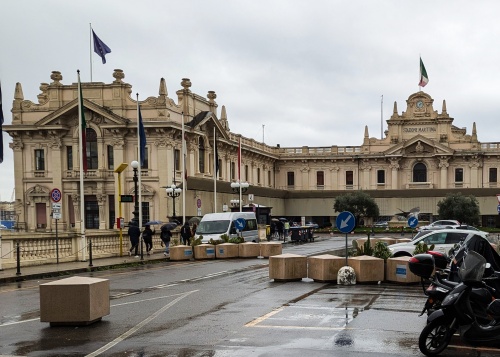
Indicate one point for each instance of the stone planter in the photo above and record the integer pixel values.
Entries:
(204, 251)
(268, 249)
(361, 241)
(397, 271)
(387, 240)
(324, 268)
(74, 301)
(226, 250)
(181, 252)
(248, 250)
(368, 269)
(287, 267)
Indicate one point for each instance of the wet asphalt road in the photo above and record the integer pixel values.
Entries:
(226, 308)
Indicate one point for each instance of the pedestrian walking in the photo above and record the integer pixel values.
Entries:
(147, 235)
(134, 234)
(193, 230)
(287, 229)
(185, 233)
(273, 230)
(280, 227)
(165, 236)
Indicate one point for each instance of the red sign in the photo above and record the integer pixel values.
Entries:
(55, 195)
(198, 203)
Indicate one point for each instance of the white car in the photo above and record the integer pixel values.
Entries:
(445, 223)
(443, 240)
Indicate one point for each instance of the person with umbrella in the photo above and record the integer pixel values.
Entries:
(134, 234)
(165, 236)
(186, 233)
(147, 235)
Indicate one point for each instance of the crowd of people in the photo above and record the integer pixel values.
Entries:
(187, 233)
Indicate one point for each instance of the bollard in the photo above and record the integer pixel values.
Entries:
(402, 232)
(90, 252)
(18, 257)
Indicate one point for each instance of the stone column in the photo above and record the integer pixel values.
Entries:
(334, 180)
(365, 181)
(305, 178)
(394, 174)
(474, 170)
(17, 148)
(101, 201)
(443, 165)
(56, 172)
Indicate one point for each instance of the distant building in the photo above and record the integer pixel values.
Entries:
(422, 157)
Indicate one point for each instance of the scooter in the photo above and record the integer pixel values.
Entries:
(457, 312)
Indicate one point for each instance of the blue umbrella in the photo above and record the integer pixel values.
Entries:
(151, 223)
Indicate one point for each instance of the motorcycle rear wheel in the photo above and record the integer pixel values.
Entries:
(435, 337)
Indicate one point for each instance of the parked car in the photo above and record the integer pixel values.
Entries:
(448, 223)
(312, 224)
(381, 224)
(3, 226)
(443, 240)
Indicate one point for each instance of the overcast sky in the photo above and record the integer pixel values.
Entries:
(311, 72)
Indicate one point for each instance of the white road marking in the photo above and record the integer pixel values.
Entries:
(138, 326)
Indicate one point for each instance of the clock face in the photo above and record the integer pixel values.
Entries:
(420, 104)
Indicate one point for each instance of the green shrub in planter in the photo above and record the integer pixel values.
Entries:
(236, 240)
(381, 251)
(422, 248)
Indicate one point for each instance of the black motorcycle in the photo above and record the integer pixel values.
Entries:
(457, 313)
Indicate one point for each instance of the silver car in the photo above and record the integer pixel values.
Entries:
(443, 240)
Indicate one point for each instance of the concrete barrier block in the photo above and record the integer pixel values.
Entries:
(181, 252)
(204, 251)
(324, 267)
(74, 301)
(248, 250)
(226, 250)
(368, 269)
(287, 267)
(398, 271)
(268, 249)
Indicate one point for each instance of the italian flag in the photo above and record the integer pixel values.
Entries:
(424, 79)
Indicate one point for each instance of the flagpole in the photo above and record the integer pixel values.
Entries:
(140, 160)
(215, 174)
(382, 117)
(90, 52)
(183, 172)
(82, 191)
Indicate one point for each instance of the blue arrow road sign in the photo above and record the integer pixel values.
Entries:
(345, 222)
(412, 222)
(240, 223)
(498, 208)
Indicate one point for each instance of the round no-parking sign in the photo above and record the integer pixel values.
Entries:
(55, 195)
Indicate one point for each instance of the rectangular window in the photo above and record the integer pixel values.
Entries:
(177, 160)
(220, 168)
(145, 213)
(145, 164)
(258, 175)
(320, 178)
(459, 175)
(290, 177)
(380, 176)
(39, 160)
(233, 171)
(111, 158)
(69, 157)
(246, 173)
(493, 174)
(349, 178)
(269, 178)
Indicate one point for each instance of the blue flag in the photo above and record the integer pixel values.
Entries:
(1, 122)
(100, 47)
(142, 139)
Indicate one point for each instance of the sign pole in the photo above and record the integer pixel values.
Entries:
(346, 253)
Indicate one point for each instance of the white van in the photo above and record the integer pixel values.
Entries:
(213, 225)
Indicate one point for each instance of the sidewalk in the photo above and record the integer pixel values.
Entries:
(75, 267)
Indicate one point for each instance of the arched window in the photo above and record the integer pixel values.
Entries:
(92, 162)
(419, 173)
(201, 154)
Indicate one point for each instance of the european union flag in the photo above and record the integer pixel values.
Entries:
(100, 47)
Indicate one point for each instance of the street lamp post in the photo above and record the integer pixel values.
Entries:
(240, 187)
(173, 191)
(135, 166)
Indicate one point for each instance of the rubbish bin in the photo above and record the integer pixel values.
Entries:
(296, 234)
(268, 232)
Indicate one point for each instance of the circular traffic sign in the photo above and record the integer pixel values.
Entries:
(198, 203)
(412, 222)
(55, 195)
(240, 223)
(345, 222)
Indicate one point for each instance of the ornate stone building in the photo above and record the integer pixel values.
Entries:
(422, 158)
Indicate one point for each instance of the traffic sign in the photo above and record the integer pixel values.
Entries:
(240, 223)
(126, 198)
(198, 203)
(56, 210)
(55, 195)
(345, 222)
(412, 222)
(498, 208)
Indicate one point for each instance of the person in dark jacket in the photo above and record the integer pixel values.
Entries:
(134, 233)
(185, 233)
(165, 236)
(147, 235)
